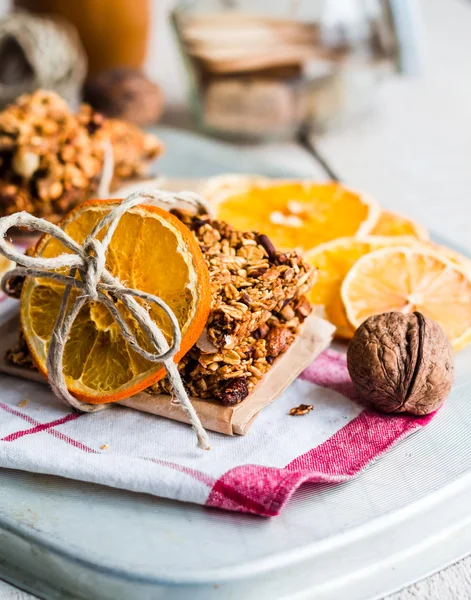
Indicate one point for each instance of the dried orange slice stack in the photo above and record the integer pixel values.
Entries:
(333, 261)
(151, 251)
(404, 277)
(408, 279)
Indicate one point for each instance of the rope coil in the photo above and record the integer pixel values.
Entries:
(97, 284)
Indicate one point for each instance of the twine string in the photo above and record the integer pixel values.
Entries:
(106, 177)
(87, 273)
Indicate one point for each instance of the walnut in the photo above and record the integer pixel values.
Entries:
(302, 409)
(401, 363)
(126, 94)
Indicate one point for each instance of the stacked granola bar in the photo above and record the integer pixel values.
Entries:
(258, 305)
(52, 159)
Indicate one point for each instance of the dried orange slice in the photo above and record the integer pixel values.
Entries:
(453, 256)
(390, 223)
(150, 251)
(294, 214)
(230, 183)
(333, 260)
(409, 279)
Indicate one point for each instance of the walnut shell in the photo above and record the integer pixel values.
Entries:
(125, 94)
(401, 363)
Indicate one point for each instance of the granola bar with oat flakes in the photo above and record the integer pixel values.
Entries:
(258, 306)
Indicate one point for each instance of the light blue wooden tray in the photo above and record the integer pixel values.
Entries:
(405, 517)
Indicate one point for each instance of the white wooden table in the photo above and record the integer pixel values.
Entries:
(413, 154)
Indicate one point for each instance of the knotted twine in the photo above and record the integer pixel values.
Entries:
(89, 274)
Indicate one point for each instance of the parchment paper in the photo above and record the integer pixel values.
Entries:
(315, 336)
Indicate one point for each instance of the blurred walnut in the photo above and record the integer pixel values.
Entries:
(401, 363)
(125, 94)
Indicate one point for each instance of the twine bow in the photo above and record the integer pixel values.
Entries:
(89, 274)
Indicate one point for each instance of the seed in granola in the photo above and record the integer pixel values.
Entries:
(210, 237)
(270, 275)
(241, 306)
(231, 291)
(235, 374)
(255, 371)
(278, 340)
(302, 280)
(288, 275)
(233, 392)
(231, 358)
(233, 312)
(302, 409)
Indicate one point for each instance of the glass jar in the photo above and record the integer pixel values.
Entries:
(260, 69)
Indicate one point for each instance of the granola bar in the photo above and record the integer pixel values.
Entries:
(258, 305)
(52, 159)
(257, 309)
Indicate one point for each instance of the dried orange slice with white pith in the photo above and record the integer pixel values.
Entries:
(293, 214)
(151, 251)
(408, 279)
(333, 260)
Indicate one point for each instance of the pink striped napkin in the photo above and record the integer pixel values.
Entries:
(257, 474)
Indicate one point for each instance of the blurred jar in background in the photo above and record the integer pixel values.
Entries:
(114, 32)
(262, 68)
